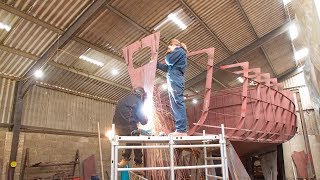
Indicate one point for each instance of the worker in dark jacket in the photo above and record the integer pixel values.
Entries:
(127, 116)
(175, 66)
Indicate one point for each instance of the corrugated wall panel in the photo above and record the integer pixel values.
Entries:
(298, 82)
(53, 109)
(7, 89)
(294, 81)
(305, 98)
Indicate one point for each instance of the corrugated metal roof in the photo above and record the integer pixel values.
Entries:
(70, 53)
(14, 65)
(169, 29)
(146, 13)
(257, 59)
(265, 15)
(110, 31)
(7, 89)
(121, 78)
(7, 19)
(280, 53)
(30, 37)
(56, 12)
(225, 20)
(67, 79)
(196, 38)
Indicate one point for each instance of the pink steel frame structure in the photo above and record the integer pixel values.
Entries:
(260, 113)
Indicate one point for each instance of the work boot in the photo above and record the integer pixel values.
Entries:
(123, 163)
(179, 133)
(139, 172)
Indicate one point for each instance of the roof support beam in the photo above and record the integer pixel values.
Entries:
(231, 59)
(61, 66)
(22, 87)
(255, 33)
(62, 41)
(30, 18)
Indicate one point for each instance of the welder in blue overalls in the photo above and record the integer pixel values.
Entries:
(175, 66)
(127, 116)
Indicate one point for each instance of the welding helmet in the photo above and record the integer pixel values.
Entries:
(140, 92)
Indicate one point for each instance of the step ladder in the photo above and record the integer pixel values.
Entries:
(173, 142)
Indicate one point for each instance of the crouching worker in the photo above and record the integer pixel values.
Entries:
(128, 115)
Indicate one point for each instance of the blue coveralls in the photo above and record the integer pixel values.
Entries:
(126, 118)
(175, 66)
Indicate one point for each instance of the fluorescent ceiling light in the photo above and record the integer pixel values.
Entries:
(301, 53)
(194, 101)
(38, 73)
(293, 30)
(4, 26)
(114, 72)
(285, 2)
(90, 60)
(240, 79)
(173, 17)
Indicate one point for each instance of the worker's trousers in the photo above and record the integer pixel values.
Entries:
(175, 83)
(137, 152)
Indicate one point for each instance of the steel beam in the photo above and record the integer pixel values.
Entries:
(76, 93)
(62, 41)
(61, 66)
(17, 118)
(231, 59)
(30, 18)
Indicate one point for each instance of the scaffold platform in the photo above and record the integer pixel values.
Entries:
(172, 142)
